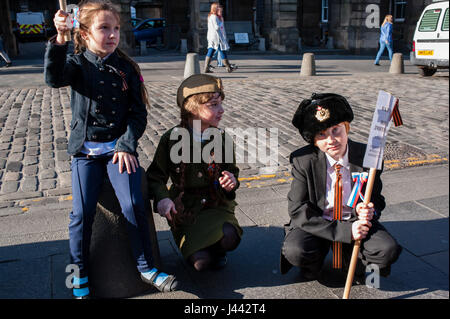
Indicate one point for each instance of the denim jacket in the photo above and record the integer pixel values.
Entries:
(386, 32)
(105, 101)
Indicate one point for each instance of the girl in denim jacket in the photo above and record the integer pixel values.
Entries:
(385, 39)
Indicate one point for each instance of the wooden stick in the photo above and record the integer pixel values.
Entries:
(63, 7)
(356, 247)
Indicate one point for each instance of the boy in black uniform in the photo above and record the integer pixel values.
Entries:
(320, 190)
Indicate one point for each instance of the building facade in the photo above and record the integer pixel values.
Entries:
(289, 25)
(286, 25)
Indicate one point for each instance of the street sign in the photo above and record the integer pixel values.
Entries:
(241, 38)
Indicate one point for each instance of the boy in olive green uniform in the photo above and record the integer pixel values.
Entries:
(199, 205)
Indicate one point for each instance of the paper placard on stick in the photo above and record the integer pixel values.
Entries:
(381, 124)
(387, 109)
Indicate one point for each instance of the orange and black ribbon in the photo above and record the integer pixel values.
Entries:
(396, 115)
(337, 215)
(124, 82)
(121, 74)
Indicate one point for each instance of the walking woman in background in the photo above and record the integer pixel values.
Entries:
(3, 53)
(217, 39)
(385, 38)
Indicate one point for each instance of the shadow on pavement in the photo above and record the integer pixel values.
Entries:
(9, 71)
(38, 270)
(34, 270)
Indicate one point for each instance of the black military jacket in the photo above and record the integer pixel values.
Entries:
(306, 198)
(106, 99)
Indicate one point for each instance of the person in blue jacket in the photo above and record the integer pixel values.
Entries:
(385, 38)
(109, 115)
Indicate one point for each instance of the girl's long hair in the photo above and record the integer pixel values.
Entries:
(87, 11)
(386, 19)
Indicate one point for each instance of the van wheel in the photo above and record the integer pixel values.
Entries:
(424, 71)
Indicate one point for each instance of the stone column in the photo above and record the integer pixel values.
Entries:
(199, 25)
(283, 35)
(126, 34)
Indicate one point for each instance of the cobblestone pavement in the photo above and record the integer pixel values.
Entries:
(35, 121)
(35, 193)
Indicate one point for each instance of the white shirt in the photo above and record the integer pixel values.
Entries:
(98, 148)
(346, 187)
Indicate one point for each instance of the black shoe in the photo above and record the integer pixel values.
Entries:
(285, 265)
(8, 64)
(359, 278)
(76, 295)
(308, 274)
(385, 272)
(377, 64)
(219, 263)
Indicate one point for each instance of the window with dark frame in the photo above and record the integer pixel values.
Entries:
(324, 10)
(399, 10)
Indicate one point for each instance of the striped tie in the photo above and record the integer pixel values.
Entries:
(337, 215)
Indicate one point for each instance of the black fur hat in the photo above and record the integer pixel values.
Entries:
(320, 112)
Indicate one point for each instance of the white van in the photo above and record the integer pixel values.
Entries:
(30, 25)
(430, 42)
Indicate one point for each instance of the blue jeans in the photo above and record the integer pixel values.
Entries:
(383, 45)
(221, 53)
(219, 59)
(87, 179)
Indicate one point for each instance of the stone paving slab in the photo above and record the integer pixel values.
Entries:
(417, 227)
(21, 274)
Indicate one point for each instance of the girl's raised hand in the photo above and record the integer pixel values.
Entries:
(227, 181)
(60, 21)
(126, 159)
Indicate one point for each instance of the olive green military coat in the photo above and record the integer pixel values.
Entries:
(205, 228)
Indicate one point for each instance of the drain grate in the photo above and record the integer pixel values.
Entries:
(396, 151)
(399, 155)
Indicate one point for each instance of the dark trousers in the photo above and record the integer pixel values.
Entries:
(87, 179)
(305, 250)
